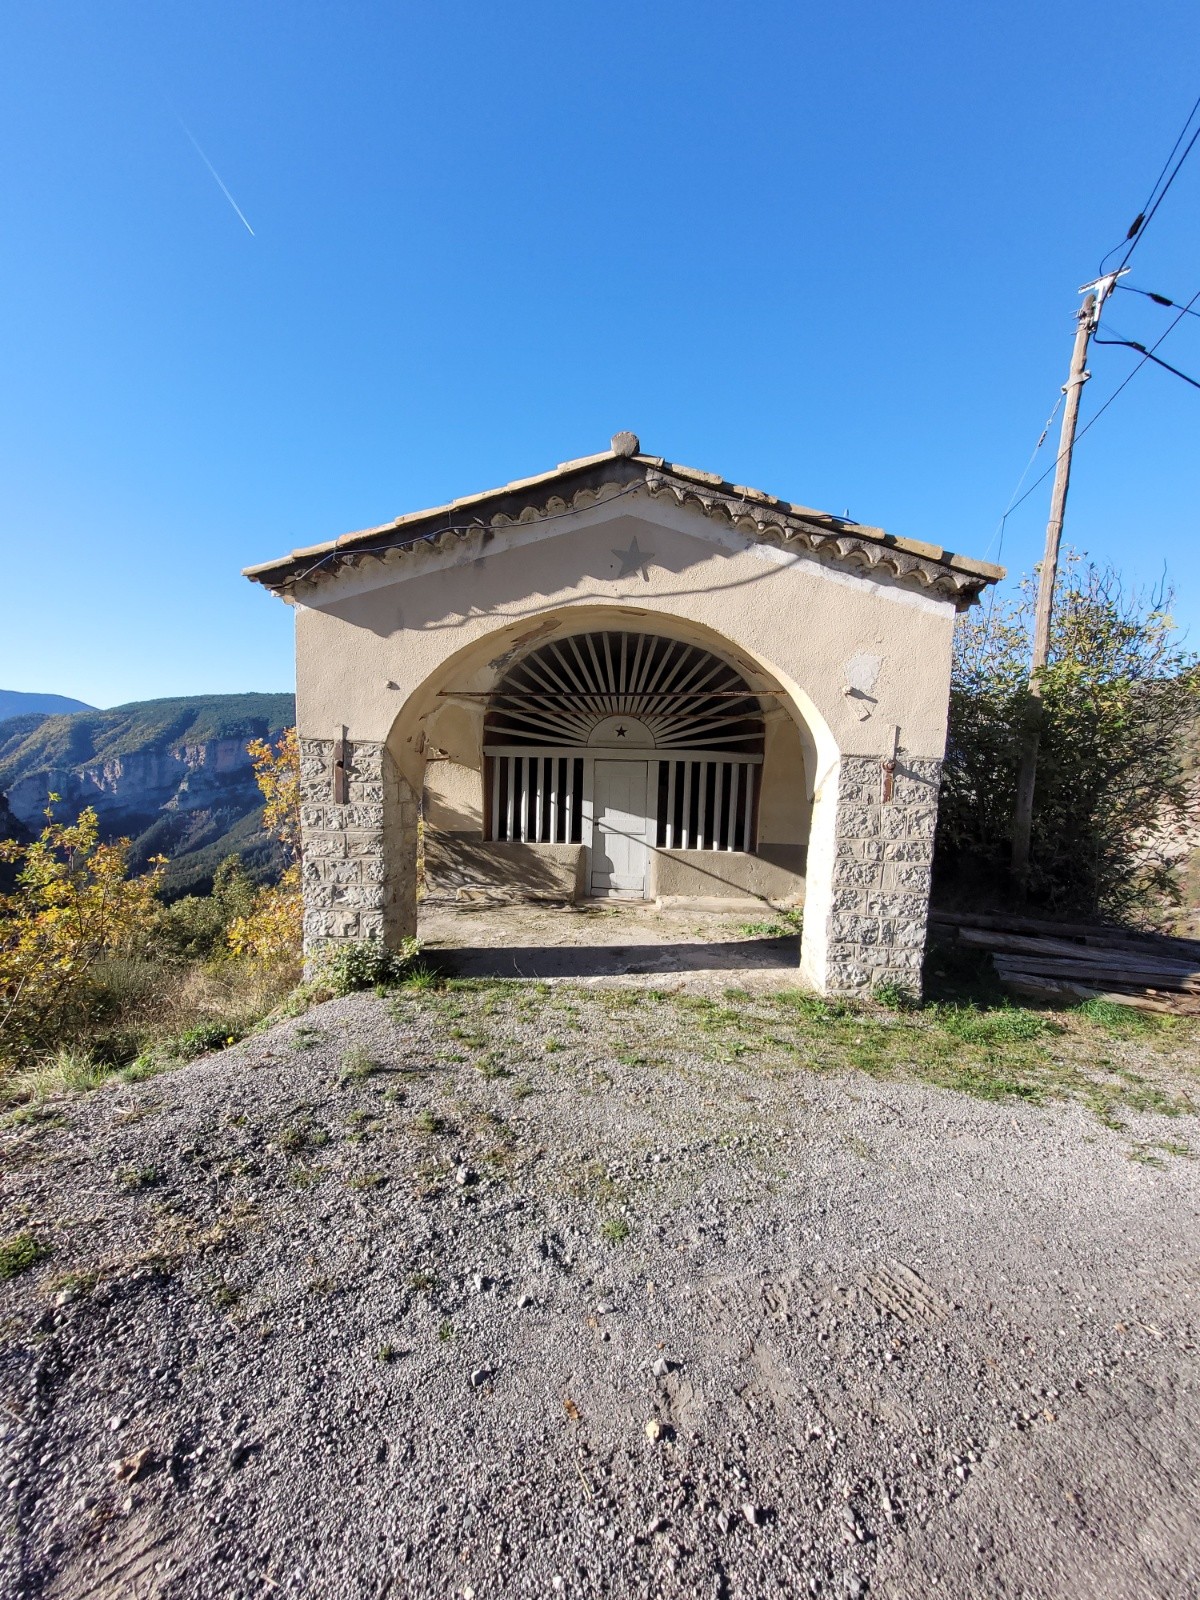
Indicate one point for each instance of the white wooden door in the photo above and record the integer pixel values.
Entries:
(619, 827)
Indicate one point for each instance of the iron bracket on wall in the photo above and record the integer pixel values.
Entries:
(340, 785)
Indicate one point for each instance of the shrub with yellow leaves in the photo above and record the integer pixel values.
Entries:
(272, 931)
(74, 905)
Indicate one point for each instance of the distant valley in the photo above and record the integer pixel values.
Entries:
(171, 775)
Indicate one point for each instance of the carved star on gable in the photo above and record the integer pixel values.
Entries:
(634, 560)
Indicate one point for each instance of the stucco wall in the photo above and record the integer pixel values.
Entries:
(460, 865)
(775, 876)
(404, 651)
(860, 654)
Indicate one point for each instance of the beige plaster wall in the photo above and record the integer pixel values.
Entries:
(776, 877)
(463, 865)
(859, 655)
(405, 648)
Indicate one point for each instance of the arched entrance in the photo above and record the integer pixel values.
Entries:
(623, 742)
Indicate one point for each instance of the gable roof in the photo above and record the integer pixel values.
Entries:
(625, 470)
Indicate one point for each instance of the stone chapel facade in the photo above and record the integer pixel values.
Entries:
(627, 677)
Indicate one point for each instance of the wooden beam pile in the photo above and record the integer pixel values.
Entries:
(1070, 962)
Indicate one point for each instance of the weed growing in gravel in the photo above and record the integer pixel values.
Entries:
(201, 1040)
(490, 1067)
(306, 1037)
(786, 926)
(445, 1331)
(360, 1126)
(300, 1136)
(67, 1072)
(147, 1065)
(139, 1177)
(896, 997)
(520, 1089)
(20, 1253)
(367, 1181)
(421, 1282)
(421, 978)
(429, 1122)
(615, 1230)
(466, 1036)
(357, 1067)
(386, 1353)
(77, 1283)
(302, 1177)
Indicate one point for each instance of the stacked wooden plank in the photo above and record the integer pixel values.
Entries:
(1070, 962)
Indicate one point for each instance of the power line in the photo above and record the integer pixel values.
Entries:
(1159, 299)
(999, 528)
(1132, 344)
(1148, 355)
(1156, 197)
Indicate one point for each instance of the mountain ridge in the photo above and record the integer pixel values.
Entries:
(20, 703)
(172, 775)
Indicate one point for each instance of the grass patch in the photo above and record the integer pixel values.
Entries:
(614, 1230)
(1005, 1025)
(428, 1122)
(139, 1177)
(300, 1136)
(20, 1253)
(357, 1067)
(1118, 1021)
(304, 1177)
(365, 1181)
(489, 1067)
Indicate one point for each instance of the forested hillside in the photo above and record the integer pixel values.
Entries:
(173, 775)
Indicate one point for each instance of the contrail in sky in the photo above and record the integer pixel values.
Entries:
(215, 174)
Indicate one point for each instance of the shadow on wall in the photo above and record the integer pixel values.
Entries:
(455, 863)
(618, 961)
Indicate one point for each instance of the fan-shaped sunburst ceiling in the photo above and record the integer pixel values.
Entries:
(686, 697)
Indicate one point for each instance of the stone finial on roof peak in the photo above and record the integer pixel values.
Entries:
(626, 444)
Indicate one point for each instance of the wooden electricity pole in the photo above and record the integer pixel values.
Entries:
(1088, 317)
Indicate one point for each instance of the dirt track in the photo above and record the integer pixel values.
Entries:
(388, 1297)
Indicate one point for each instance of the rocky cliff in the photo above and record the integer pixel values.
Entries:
(172, 775)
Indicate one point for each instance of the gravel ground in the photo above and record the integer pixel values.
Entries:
(372, 1305)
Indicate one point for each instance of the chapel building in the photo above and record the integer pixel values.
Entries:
(627, 678)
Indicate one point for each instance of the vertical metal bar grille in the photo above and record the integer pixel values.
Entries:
(536, 799)
(705, 805)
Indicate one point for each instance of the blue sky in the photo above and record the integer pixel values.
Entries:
(830, 251)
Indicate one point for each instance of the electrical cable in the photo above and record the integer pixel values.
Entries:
(1132, 344)
(1142, 221)
(1159, 299)
(1128, 379)
(999, 528)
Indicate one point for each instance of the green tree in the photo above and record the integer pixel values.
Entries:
(1120, 696)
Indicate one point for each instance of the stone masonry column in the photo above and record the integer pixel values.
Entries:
(359, 873)
(868, 890)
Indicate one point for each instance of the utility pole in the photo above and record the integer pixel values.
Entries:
(1087, 319)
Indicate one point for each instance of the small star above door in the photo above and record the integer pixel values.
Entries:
(634, 560)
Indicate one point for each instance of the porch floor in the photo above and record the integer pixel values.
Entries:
(629, 940)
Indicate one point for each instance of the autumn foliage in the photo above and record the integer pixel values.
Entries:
(271, 932)
(74, 905)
